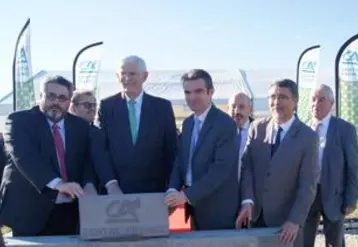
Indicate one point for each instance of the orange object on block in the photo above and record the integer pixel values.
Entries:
(177, 221)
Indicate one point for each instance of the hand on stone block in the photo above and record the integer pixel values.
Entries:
(89, 189)
(289, 232)
(71, 189)
(245, 216)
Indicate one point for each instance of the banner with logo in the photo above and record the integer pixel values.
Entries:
(307, 71)
(346, 69)
(23, 85)
(86, 68)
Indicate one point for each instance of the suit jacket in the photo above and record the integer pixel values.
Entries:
(145, 166)
(3, 159)
(214, 191)
(339, 174)
(26, 201)
(282, 187)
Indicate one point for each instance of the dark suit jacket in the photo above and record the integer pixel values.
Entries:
(26, 201)
(214, 193)
(339, 174)
(146, 166)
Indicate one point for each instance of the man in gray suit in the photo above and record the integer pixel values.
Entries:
(280, 167)
(337, 189)
(206, 164)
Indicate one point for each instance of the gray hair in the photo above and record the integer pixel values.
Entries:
(327, 90)
(136, 60)
(249, 100)
(79, 93)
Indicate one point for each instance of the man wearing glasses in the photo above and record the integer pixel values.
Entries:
(50, 156)
(84, 105)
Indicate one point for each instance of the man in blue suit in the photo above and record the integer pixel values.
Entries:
(207, 162)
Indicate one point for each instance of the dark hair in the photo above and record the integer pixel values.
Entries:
(289, 84)
(60, 80)
(77, 94)
(196, 74)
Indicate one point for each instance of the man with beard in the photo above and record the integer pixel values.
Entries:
(140, 132)
(206, 165)
(240, 109)
(279, 168)
(337, 189)
(50, 156)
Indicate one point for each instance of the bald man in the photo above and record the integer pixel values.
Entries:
(140, 131)
(337, 189)
(240, 109)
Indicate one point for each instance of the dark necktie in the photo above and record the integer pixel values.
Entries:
(60, 151)
(277, 141)
(239, 138)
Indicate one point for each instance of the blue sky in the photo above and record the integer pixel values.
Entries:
(177, 34)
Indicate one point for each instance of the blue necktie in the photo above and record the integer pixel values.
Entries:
(277, 141)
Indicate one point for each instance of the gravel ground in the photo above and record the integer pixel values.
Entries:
(351, 239)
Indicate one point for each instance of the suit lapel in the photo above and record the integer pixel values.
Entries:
(122, 118)
(329, 140)
(289, 137)
(48, 141)
(70, 135)
(186, 139)
(145, 116)
(205, 128)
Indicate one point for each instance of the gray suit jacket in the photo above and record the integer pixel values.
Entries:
(283, 186)
(215, 189)
(339, 175)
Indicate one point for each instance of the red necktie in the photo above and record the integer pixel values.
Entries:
(60, 151)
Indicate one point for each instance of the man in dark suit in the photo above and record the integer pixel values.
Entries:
(50, 156)
(207, 161)
(240, 110)
(279, 167)
(140, 132)
(337, 189)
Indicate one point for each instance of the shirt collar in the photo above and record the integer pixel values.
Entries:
(60, 124)
(202, 116)
(324, 121)
(286, 126)
(138, 100)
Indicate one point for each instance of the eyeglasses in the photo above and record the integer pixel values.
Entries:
(88, 105)
(52, 97)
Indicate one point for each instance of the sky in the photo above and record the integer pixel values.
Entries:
(171, 34)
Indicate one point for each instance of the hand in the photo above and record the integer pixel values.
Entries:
(113, 189)
(72, 189)
(348, 210)
(289, 232)
(89, 189)
(245, 216)
(175, 198)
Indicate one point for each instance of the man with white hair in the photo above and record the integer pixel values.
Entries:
(337, 189)
(140, 132)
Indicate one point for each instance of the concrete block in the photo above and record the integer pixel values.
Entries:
(265, 237)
